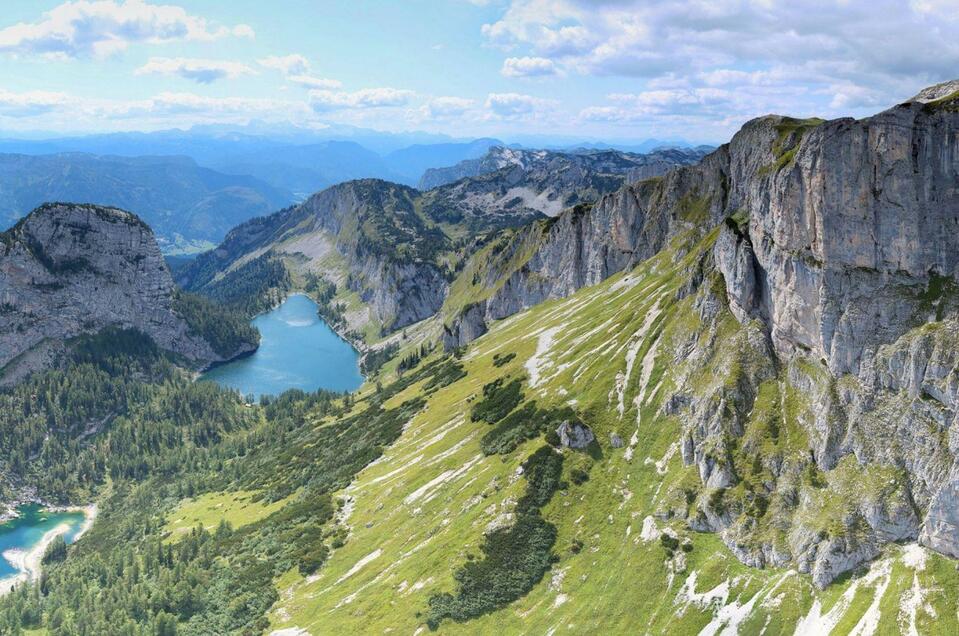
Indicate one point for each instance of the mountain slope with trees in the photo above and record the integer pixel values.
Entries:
(714, 417)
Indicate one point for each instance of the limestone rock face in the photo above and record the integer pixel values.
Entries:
(831, 225)
(362, 235)
(67, 270)
(856, 226)
(575, 435)
(941, 528)
(939, 91)
(588, 243)
(836, 249)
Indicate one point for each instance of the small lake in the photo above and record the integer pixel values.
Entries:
(297, 351)
(28, 530)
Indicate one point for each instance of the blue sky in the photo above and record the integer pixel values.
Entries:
(604, 69)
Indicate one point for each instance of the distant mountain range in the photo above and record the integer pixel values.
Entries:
(184, 203)
(306, 160)
(193, 186)
(547, 165)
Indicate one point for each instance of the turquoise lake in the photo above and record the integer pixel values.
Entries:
(297, 351)
(28, 529)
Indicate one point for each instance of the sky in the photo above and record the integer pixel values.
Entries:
(617, 70)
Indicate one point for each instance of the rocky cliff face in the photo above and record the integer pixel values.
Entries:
(390, 252)
(851, 225)
(836, 251)
(364, 235)
(839, 219)
(846, 251)
(67, 270)
(583, 246)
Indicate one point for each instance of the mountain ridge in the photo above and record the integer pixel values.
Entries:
(722, 400)
(607, 162)
(452, 219)
(814, 246)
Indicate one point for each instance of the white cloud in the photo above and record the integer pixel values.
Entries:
(516, 106)
(243, 31)
(850, 54)
(528, 67)
(84, 27)
(604, 114)
(293, 64)
(31, 103)
(675, 100)
(849, 95)
(197, 70)
(183, 109)
(361, 99)
(446, 107)
(296, 69)
(62, 111)
(315, 82)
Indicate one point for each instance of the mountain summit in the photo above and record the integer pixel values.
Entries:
(937, 92)
(72, 269)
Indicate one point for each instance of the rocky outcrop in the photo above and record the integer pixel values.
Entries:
(67, 270)
(837, 239)
(575, 435)
(585, 245)
(847, 225)
(364, 235)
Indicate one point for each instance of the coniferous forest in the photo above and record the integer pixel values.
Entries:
(166, 438)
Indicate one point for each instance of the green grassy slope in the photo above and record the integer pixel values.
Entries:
(357, 514)
(420, 512)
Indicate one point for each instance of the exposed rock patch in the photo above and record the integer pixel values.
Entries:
(67, 270)
(575, 435)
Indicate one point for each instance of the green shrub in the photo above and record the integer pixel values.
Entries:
(517, 427)
(669, 542)
(498, 400)
(579, 476)
(501, 359)
(514, 559)
(55, 552)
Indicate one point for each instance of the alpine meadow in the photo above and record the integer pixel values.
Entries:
(519, 317)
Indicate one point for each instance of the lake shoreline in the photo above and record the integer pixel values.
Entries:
(28, 563)
(298, 349)
(360, 346)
